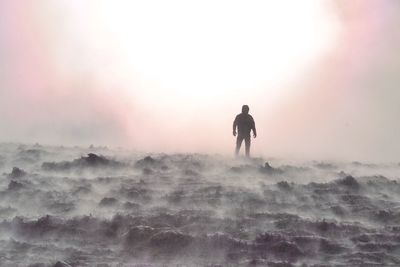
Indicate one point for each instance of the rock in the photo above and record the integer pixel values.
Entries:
(267, 166)
(349, 181)
(16, 173)
(283, 185)
(286, 249)
(14, 185)
(37, 265)
(108, 201)
(91, 161)
(95, 160)
(138, 234)
(268, 169)
(61, 264)
(170, 240)
(148, 163)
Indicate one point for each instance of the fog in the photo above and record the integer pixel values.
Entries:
(65, 80)
(71, 206)
(116, 145)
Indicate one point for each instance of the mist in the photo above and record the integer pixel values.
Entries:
(116, 141)
(71, 206)
(64, 79)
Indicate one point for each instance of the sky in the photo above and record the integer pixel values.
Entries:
(321, 77)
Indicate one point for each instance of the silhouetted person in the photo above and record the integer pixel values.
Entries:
(244, 123)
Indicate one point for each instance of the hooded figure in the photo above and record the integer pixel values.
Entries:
(244, 123)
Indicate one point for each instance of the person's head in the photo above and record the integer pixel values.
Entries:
(245, 109)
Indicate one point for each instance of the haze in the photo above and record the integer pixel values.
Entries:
(320, 77)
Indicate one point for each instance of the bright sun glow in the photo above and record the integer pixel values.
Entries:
(191, 50)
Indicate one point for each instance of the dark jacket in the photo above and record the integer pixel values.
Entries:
(245, 123)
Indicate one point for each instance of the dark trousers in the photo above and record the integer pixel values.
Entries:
(247, 142)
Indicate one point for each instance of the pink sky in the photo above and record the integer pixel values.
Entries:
(79, 72)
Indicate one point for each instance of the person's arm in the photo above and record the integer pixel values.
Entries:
(234, 126)
(253, 127)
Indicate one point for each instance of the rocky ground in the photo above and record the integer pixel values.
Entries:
(100, 207)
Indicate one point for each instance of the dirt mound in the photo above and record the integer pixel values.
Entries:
(91, 161)
(17, 173)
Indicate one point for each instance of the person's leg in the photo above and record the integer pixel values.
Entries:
(247, 141)
(239, 141)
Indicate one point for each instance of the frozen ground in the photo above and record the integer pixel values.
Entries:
(66, 207)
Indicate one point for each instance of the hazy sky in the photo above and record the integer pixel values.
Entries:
(321, 77)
